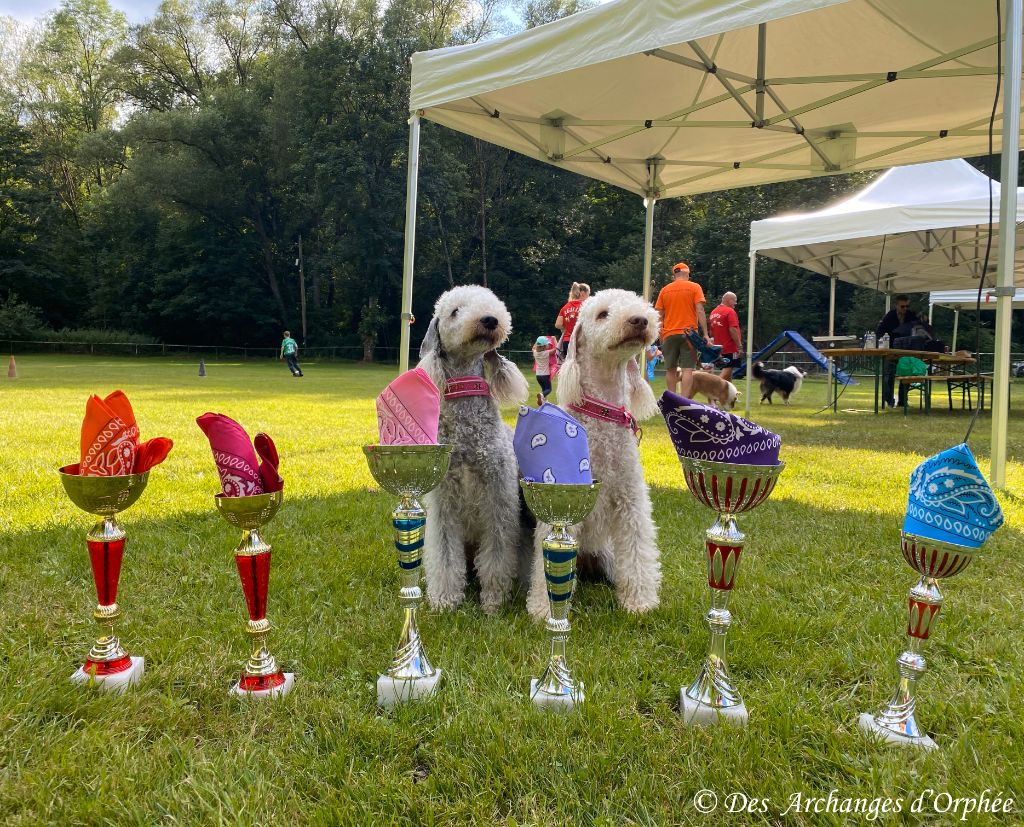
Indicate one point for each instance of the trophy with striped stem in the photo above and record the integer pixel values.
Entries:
(560, 506)
(408, 472)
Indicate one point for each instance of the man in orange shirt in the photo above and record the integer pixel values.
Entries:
(681, 305)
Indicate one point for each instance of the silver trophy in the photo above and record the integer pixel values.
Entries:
(408, 472)
(933, 560)
(730, 490)
(560, 506)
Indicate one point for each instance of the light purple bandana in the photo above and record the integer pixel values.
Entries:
(551, 446)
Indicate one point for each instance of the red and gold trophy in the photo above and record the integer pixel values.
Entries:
(107, 665)
(951, 511)
(261, 677)
(731, 466)
(109, 478)
(252, 492)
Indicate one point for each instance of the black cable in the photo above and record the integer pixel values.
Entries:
(991, 205)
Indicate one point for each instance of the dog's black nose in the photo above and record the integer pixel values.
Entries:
(639, 321)
(489, 322)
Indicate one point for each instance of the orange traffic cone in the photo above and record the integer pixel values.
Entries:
(12, 369)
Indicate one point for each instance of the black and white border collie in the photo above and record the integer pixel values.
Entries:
(785, 382)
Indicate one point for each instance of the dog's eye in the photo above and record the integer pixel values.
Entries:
(455, 312)
(603, 314)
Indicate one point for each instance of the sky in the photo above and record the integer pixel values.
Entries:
(25, 10)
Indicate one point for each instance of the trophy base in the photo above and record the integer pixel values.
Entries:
(391, 691)
(117, 682)
(270, 692)
(697, 713)
(558, 703)
(868, 725)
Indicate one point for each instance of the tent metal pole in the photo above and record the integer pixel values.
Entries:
(831, 332)
(1007, 241)
(956, 324)
(649, 203)
(750, 334)
(411, 184)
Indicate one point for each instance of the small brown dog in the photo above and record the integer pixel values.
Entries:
(719, 392)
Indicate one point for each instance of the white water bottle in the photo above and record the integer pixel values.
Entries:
(884, 341)
(869, 341)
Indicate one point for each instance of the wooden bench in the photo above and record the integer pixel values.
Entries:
(964, 382)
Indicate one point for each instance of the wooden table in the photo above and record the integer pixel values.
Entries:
(850, 358)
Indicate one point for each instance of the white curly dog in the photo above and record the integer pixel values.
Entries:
(601, 386)
(477, 502)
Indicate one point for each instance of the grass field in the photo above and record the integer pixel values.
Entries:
(820, 614)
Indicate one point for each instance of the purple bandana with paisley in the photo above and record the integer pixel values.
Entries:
(703, 432)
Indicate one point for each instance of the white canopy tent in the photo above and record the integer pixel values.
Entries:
(674, 97)
(914, 229)
(957, 300)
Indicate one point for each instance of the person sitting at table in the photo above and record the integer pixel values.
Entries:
(900, 318)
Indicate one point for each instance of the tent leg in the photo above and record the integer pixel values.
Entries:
(956, 325)
(648, 246)
(1007, 242)
(830, 399)
(411, 184)
(750, 334)
(649, 203)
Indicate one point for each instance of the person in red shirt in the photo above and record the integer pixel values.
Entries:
(725, 331)
(681, 306)
(566, 320)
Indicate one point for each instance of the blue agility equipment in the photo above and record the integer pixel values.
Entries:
(706, 354)
(784, 338)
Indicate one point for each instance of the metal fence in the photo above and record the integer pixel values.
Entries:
(345, 353)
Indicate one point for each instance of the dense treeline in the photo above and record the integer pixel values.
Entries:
(157, 178)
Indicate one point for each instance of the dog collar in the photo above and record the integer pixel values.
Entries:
(616, 414)
(459, 387)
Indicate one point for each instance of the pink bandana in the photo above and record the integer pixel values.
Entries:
(408, 410)
(241, 473)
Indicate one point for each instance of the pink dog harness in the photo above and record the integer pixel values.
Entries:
(616, 414)
(459, 387)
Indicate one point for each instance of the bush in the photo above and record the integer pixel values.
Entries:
(19, 320)
(92, 336)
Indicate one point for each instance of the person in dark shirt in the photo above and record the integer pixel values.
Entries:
(897, 322)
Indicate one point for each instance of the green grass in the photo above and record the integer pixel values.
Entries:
(820, 613)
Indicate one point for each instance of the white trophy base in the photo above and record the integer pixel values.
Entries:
(391, 691)
(556, 703)
(866, 724)
(696, 713)
(273, 692)
(117, 682)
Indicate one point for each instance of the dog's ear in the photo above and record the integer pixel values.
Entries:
(432, 355)
(642, 403)
(570, 390)
(508, 385)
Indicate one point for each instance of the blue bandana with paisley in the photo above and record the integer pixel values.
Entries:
(950, 500)
(551, 446)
